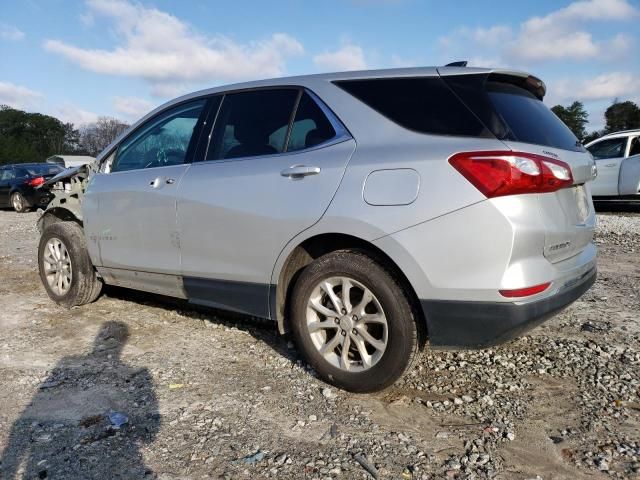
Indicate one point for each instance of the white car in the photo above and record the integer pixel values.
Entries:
(617, 157)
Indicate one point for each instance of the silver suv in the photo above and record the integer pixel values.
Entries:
(367, 212)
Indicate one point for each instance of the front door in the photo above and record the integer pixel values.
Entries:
(609, 154)
(130, 212)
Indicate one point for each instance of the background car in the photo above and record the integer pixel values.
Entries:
(70, 161)
(617, 158)
(19, 182)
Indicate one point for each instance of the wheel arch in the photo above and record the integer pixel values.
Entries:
(57, 214)
(320, 244)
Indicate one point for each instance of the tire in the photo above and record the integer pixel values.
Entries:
(312, 334)
(19, 203)
(84, 285)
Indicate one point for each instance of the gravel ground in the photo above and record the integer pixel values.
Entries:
(135, 386)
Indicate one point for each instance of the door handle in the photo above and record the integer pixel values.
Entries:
(610, 165)
(299, 171)
(158, 181)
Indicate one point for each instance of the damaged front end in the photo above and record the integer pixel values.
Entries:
(68, 189)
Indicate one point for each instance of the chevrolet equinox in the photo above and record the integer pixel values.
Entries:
(368, 213)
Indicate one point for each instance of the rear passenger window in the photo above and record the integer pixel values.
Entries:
(310, 126)
(252, 123)
(162, 141)
(424, 105)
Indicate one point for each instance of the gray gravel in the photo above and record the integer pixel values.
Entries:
(211, 395)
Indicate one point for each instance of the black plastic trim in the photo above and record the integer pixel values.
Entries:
(458, 324)
(241, 297)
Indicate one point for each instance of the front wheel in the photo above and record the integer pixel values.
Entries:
(353, 322)
(19, 203)
(65, 268)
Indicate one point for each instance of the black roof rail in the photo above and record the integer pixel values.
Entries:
(462, 63)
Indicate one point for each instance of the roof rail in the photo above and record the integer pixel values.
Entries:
(462, 63)
(631, 130)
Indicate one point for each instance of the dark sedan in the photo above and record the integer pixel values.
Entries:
(18, 184)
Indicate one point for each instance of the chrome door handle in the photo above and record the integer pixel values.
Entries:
(158, 181)
(299, 171)
(610, 165)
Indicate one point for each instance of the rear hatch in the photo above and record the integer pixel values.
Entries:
(510, 105)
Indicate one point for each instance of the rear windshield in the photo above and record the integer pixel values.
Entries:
(512, 112)
(528, 119)
(465, 105)
(37, 170)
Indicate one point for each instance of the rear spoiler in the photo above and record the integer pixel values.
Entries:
(514, 77)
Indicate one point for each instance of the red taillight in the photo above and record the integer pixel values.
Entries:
(525, 292)
(501, 173)
(34, 182)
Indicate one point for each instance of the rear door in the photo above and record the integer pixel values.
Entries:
(130, 212)
(608, 154)
(273, 163)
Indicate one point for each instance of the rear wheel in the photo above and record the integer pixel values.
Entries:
(19, 203)
(65, 268)
(353, 322)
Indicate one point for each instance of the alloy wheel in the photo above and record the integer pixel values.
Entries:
(347, 324)
(57, 266)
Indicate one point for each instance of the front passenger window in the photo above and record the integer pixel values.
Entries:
(609, 148)
(162, 141)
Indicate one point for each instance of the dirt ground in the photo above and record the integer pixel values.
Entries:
(136, 386)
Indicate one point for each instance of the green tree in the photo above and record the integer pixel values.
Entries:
(32, 137)
(622, 116)
(575, 117)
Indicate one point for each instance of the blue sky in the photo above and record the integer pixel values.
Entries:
(81, 59)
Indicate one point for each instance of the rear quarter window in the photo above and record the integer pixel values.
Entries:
(423, 104)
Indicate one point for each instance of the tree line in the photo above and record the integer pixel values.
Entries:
(33, 137)
(619, 116)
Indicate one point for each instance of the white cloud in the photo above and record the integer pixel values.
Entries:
(602, 87)
(131, 107)
(70, 113)
(559, 35)
(348, 57)
(9, 32)
(162, 49)
(17, 96)
(483, 37)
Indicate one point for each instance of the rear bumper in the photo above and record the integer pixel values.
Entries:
(37, 197)
(460, 324)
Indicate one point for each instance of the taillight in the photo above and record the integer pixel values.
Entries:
(34, 182)
(525, 292)
(501, 173)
